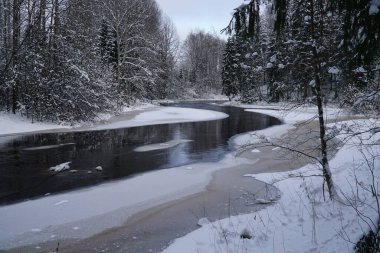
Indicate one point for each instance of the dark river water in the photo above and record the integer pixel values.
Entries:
(25, 159)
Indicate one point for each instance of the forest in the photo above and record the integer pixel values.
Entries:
(66, 61)
(313, 65)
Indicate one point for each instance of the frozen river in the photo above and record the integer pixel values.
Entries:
(99, 156)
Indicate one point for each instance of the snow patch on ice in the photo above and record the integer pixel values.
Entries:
(61, 167)
(159, 146)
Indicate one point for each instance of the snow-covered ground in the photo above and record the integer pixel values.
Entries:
(302, 221)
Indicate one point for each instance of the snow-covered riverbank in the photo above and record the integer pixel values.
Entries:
(146, 114)
(302, 220)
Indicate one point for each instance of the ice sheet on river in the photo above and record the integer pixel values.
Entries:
(158, 146)
(164, 115)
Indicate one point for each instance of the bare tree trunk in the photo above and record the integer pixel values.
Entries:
(57, 21)
(7, 44)
(118, 53)
(40, 23)
(2, 24)
(15, 45)
(6, 28)
(319, 96)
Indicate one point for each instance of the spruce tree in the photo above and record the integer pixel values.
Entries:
(230, 72)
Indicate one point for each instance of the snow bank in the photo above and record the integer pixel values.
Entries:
(302, 221)
(14, 124)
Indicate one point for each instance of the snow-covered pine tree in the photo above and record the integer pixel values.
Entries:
(230, 70)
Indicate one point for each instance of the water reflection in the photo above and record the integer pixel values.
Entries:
(24, 169)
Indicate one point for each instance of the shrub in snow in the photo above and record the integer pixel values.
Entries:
(369, 243)
(245, 234)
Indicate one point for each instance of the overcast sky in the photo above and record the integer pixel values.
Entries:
(207, 15)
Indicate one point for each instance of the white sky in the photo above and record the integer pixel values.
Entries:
(207, 15)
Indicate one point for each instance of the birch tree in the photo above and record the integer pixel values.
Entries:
(202, 58)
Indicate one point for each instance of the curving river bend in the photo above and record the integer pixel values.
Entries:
(25, 159)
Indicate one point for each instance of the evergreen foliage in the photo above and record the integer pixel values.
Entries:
(230, 72)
